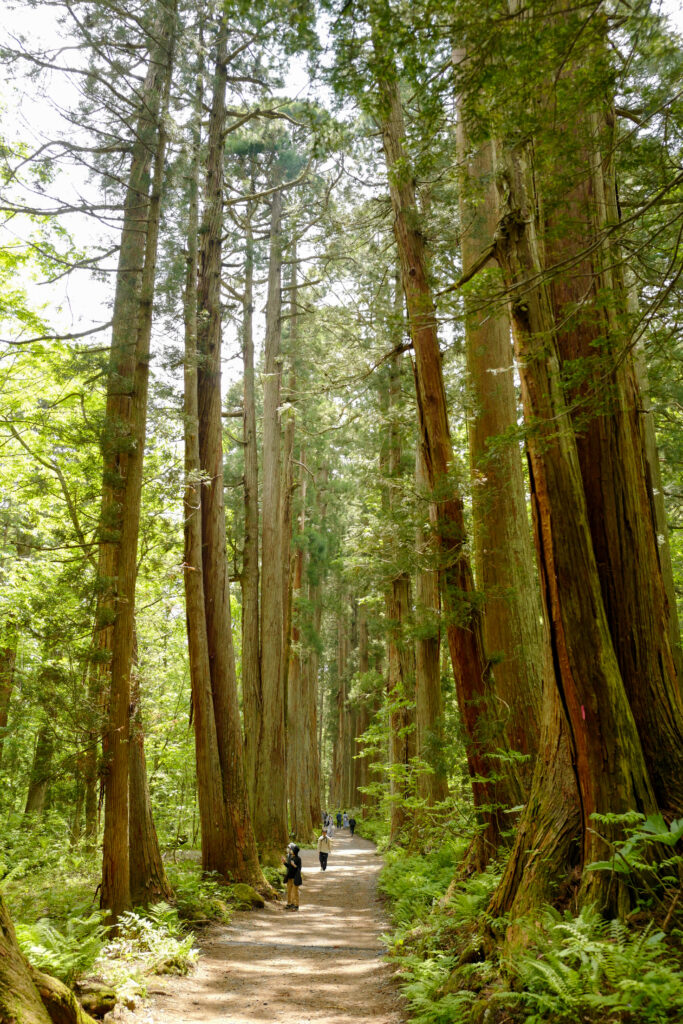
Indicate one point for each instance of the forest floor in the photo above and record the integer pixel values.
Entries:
(320, 965)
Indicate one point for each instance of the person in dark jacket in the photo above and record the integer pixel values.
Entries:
(292, 862)
(339, 819)
(352, 825)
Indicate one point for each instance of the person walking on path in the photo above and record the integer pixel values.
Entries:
(339, 819)
(346, 820)
(352, 825)
(292, 862)
(324, 849)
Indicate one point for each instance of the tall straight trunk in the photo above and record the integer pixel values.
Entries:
(299, 724)
(212, 815)
(471, 668)
(605, 747)
(589, 303)
(240, 856)
(337, 775)
(148, 882)
(503, 549)
(270, 807)
(656, 493)
(312, 662)
(8, 661)
(400, 689)
(433, 784)
(360, 762)
(41, 770)
(400, 648)
(123, 446)
(251, 659)
(287, 489)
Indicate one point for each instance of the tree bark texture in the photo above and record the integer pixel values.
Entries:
(148, 882)
(270, 808)
(123, 446)
(433, 784)
(240, 855)
(471, 668)
(589, 303)
(604, 742)
(299, 725)
(20, 1001)
(503, 548)
(41, 770)
(251, 656)
(8, 661)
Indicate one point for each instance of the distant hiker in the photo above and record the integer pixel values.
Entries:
(339, 819)
(352, 825)
(346, 820)
(292, 862)
(324, 849)
(330, 827)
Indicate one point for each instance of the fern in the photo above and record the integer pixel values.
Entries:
(591, 970)
(68, 953)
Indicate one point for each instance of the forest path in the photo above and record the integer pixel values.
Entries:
(320, 965)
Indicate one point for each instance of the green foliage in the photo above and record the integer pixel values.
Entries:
(597, 972)
(648, 856)
(156, 939)
(66, 953)
(274, 877)
(199, 897)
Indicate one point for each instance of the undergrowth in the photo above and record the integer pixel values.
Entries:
(570, 970)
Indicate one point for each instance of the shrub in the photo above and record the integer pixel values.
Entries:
(66, 953)
(597, 972)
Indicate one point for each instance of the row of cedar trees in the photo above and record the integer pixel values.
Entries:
(590, 679)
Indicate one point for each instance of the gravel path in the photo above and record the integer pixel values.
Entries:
(320, 965)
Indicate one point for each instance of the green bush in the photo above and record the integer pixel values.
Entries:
(66, 953)
(155, 937)
(199, 897)
(597, 972)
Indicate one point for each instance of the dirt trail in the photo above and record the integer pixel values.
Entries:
(320, 965)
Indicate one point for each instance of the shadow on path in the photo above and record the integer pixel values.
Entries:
(320, 965)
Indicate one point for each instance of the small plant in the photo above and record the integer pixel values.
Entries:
(155, 938)
(274, 877)
(199, 897)
(66, 953)
(597, 972)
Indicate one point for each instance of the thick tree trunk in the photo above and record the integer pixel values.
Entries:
(20, 1001)
(148, 882)
(8, 660)
(589, 304)
(251, 658)
(311, 666)
(124, 443)
(270, 808)
(656, 493)
(503, 549)
(433, 784)
(299, 725)
(400, 690)
(604, 743)
(472, 670)
(212, 814)
(40, 771)
(240, 858)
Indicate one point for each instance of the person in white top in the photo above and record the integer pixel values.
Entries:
(324, 849)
